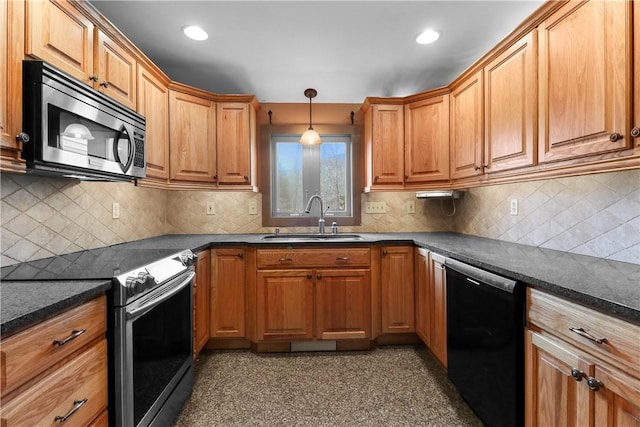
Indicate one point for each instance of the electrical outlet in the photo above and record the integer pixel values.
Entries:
(411, 206)
(375, 207)
(513, 207)
(253, 207)
(211, 208)
(115, 210)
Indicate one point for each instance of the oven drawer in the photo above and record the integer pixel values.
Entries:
(82, 379)
(559, 316)
(335, 257)
(31, 352)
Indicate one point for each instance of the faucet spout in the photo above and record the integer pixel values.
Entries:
(308, 210)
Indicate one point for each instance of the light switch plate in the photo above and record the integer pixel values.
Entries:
(411, 206)
(115, 210)
(513, 207)
(253, 207)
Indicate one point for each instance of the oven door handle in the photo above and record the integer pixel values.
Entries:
(139, 311)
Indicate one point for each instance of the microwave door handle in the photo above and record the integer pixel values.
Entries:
(124, 165)
(139, 311)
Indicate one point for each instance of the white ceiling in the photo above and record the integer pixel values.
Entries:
(347, 50)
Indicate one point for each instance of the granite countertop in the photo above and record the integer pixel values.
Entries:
(610, 286)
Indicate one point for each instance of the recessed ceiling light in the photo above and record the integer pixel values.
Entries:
(428, 36)
(194, 32)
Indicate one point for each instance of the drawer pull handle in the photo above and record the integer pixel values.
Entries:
(587, 335)
(577, 374)
(77, 404)
(342, 259)
(285, 260)
(594, 384)
(74, 334)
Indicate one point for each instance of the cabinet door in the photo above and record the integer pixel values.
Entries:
(153, 104)
(192, 137)
(343, 304)
(635, 130)
(233, 143)
(284, 304)
(511, 106)
(424, 296)
(397, 289)
(467, 127)
(116, 70)
(201, 301)
(438, 290)
(427, 140)
(618, 398)
(228, 293)
(387, 145)
(584, 80)
(552, 396)
(60, 35)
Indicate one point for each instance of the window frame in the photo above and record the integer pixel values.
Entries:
(268, 220)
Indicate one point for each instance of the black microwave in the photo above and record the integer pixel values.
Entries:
(72, 130)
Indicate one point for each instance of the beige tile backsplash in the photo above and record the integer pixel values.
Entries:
(596, 215)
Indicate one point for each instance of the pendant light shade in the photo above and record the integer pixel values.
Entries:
(310, 136)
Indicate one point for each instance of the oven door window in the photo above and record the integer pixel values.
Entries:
(161, 344)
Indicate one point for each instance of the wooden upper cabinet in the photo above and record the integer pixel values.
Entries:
(59, 34)
(192, 137)
(234, 140)
(397, 289)
(426, 147)
(153, 104)
(510, 107)
(585, 80)
(467, 127)
(116, 70)
(384, 145)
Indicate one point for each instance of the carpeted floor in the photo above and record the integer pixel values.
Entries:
(389, 386)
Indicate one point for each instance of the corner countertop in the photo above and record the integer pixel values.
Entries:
(609, 286)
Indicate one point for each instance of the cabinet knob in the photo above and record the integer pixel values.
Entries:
(635, 132)
(23, 137)
(246, 178)
(309, 275)
(241, 255)
(94, 78)
(594, 384)
(577, 374)
(105, 84)
(376, 178)
(384, 252)
(476, 167)
(215, 177)
(319, 276)
(615, 137)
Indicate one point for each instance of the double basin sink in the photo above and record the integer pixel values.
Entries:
(311, 237)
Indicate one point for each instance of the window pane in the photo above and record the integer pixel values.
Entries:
(333, 176)
(288, 178)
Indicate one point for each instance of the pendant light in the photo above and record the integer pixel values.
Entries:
(310, 136)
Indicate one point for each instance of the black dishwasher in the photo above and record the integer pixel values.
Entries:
(485, 342)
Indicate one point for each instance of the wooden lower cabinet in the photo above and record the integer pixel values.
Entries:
(570, 379)
(343, 304)
(424, 296)
(397, 289)
(201, 311)
(284, 305)
(228, 305)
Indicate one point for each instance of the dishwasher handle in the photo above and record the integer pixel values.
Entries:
(477, 276)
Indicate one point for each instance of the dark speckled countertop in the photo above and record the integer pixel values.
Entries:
(609, 286)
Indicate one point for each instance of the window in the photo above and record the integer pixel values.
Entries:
(297, 172)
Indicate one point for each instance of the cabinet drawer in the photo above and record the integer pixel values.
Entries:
(335, 257)
(559, 316)
(57, 394)
(28, 353)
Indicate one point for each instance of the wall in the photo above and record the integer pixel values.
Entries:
(41, 217)
(596, 215)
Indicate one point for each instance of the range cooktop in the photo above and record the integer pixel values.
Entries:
(91, 264)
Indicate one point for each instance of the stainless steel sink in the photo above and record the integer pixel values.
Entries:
(291, 237)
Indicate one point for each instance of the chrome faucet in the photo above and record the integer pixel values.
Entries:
(308, 209)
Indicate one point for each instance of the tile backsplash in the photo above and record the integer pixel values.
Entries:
(595, 215)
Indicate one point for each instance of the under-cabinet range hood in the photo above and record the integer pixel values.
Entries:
(440, 194)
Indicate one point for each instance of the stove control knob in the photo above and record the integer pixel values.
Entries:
(187, 259)
(148, 281)
(138, 285)
(130, 285)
